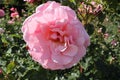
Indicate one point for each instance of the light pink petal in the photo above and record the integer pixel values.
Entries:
(27, 20)
(49, 64)
(77, 58)
(48, 5)
(33, 26)
(71, 14)
(71, 50)
(37, 53)
(61, 59)
(60, 14)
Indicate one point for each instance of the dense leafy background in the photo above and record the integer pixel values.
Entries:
(102, 61)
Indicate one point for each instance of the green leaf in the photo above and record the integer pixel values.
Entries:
(85, 64)
(73, 1)
(9, 50)
(4, 40)
(10, 67)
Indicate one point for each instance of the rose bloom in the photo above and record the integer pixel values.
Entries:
(55, 37)
(14, 15)
(13, 9)
(2, 13)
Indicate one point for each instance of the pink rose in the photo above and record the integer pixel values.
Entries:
(55, 37)
(13, 9)
(2, 13)
(14, 15)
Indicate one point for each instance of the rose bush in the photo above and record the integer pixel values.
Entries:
(55, 37)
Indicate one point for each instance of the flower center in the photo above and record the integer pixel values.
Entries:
(60, 38)
(57, 35)
(63, 44)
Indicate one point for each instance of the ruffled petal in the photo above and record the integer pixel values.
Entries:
(72, 50)
(61, 59)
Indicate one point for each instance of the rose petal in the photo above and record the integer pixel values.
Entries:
(61, 13)
(71, 50)
(49, 64)
(47, 6)
(77, 57)
(61, 59)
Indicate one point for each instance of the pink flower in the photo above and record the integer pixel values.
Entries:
(13, 9)
(1, 71)
(114, 42)
(98, 9)
(2, 13)
(106, 35)
(55, 37)
(30, 1)
(92, 8)
(14, 15)
(93, 2)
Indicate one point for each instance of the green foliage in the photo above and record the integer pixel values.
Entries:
(102, 61)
